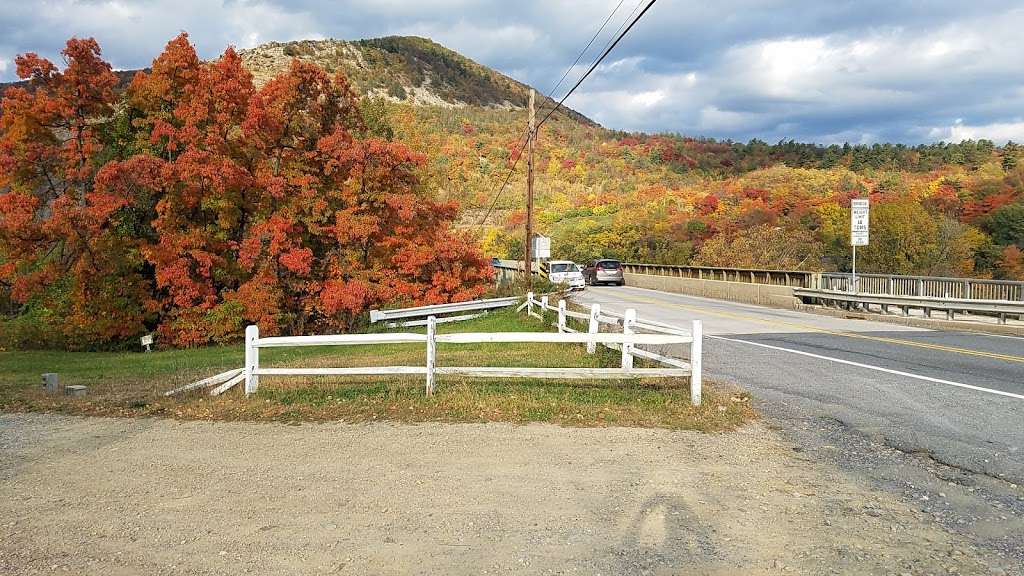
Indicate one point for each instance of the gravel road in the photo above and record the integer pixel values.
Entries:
(149, 496)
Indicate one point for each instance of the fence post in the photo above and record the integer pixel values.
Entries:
(529, 303)
(561, 316)
(696, 349)
(252, 358)
(431, 352)
(594, 327)
(543, 305)
(627, 328)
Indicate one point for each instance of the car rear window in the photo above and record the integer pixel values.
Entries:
(609, 264)
(561, 267)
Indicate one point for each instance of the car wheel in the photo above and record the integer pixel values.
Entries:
(620, 283)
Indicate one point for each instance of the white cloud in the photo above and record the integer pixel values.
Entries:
(998, 132)
(714, 120)
(132, 33)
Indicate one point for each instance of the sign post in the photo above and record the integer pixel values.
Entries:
(859, 208)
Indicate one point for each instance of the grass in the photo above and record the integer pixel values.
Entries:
(131, 384)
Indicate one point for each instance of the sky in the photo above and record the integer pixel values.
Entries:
(816, 71)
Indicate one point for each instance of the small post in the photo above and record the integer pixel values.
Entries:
(51, 382)
(529, 303)
(594, 327)
(853, 279)
(431, 352)
(543, 305)
(252, 358)
(696, 362)
(627, 328)
(561, 316)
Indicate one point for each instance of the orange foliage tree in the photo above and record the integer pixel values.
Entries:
(269, 205)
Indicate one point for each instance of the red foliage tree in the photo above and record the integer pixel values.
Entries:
(59, 237)
(276, 210)
(268, 206)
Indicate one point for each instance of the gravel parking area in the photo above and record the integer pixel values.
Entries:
(153, 496)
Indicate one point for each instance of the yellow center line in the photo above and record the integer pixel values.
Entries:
(808, 327)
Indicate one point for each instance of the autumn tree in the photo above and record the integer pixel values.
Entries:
(276, 208)
(202, 203)
(64, 245)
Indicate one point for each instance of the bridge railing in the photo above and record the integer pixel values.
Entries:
(883, 284)
(794, 278)
(925, 286)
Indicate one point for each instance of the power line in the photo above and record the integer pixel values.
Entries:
(526, 134)
(587, 47)
(597, 62)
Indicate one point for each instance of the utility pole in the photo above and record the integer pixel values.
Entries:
(529, 196)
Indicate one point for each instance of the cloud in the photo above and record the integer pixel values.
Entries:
(998, 132)
(859, 71)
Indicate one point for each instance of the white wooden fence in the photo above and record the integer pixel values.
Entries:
(627, 341)
(629, 323)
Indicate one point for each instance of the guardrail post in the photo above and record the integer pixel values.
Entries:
(627, 328)
(431, 352)
(696, 362)
(561, 316)
(252, 358)
(594, 327)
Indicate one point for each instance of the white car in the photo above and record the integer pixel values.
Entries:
(566, 272)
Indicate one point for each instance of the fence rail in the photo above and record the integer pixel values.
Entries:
(627, 341)
(629, 324)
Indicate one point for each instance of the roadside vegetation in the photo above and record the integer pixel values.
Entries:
(133, 383)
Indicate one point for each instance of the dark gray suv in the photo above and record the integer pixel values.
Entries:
(604, 271)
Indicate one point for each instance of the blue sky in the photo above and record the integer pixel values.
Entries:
(864, 71)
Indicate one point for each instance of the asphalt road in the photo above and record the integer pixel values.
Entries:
(956, 396)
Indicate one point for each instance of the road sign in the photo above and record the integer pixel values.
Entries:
(541, 247)
(859, 222)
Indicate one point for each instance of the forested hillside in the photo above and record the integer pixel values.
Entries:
(299, 184)
(940, 209)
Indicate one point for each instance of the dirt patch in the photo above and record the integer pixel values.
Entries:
(154, 496)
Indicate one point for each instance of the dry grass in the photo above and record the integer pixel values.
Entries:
(132, 385)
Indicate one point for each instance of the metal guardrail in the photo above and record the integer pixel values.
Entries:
(795, 278)
(441, 309)
(998, 308)
(924, 286)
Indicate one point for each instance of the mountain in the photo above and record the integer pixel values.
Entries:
(406, 69)
(401, 69)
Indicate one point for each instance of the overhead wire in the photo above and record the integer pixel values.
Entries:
(519, 143)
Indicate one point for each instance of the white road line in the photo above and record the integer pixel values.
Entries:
(870, 367)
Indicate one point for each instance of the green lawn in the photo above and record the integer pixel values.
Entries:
(131, 384)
